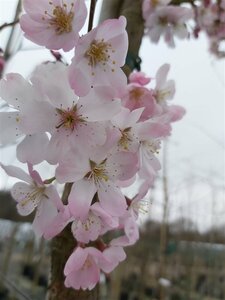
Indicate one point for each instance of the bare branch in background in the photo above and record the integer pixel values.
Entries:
(5, 25)
(7, 53)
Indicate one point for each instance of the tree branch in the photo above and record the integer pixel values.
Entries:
(8, 45)
(9, 24)
(92, 13)
(110, 9)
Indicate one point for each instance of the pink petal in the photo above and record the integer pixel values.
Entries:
(17, 173)
(105, 216)
(25, 195)
(29, 149)
(9, 127)
(75, 261)
(112, 257)
(99, 108)
(59, 92)
(73, 168)
(87, 230)
(58, 223)
(111, 199)
(80, 197)
(122, 165)
(161, 75)
(15, 90)
(147, 130)
(45, 213)
(79, 80)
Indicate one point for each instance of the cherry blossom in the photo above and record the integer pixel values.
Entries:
(136, 96)
(54, 24)
(168, 21)
(99, 56)
(82, 269)
(33, 194)
(150, 5)
(131, 232)
(97, 172)
(95, 224)
(139, 78)
(164, 89)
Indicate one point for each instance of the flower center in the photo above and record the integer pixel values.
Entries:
(98, 171)
(91, 221)
(152, 145)
(87, 264)
(32, 196)
(141, 207)
(125, 138)
(98, 53)
(136, 93)
(69, 118)
(154, 3)
(61, 19)
(162, 95)
(163, 21)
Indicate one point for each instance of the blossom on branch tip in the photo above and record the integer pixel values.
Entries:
(32, 194)
(54, 24)
(168, 21)
(99, 56)
(82, 269)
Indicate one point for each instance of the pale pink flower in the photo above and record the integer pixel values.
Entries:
(28, 150)
(139, 78)
(88, 229)
(95, 224)
(168, 21)
(205, 16)
(126, 123)
(73, 121)
(164, 89)
(97, 171)
(112, 256)
(130, 227)
(150, 135)
(58, 223)
(137, 205)
(33, 194)
(175, 113)
(82, 269)
(149, 6)
(149, 163)
(51, 106)
(99, 56)
(136, 96)
(54, 24)
(20, 95)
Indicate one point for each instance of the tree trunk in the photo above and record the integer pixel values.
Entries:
(61, 248)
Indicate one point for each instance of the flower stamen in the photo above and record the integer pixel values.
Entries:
(98, 171)
(69, 118)
(98, 53)
(60, 19)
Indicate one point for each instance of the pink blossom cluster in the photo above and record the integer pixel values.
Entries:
(210, 18)
(98, 133)
(165, 19)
